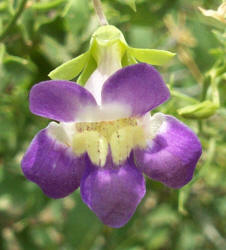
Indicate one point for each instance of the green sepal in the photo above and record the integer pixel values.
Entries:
(128, 60)
(105, 38)
(70, 69)
(151, 56)
(201, 110)
(87, 71)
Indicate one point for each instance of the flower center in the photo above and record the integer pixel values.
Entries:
(98, 138)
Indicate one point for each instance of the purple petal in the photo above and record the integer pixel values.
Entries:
(140, 86)
(113, 194)
(52, 166)
(60, 100)
(172, 155)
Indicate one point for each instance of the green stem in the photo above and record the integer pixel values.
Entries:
(200, 126)
(215, 94)
(205, 87)
(99, 12)
(183, 96)
(184, 192)
(13, 20)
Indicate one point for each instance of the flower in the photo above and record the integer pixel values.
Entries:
(219, 14)
(106, 140)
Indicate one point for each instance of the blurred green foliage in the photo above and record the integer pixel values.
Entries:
(38, 35)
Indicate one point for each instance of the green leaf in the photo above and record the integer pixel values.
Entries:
(220, 36)
(77, 15)
(3, 6)
(18, 60)
(152, 56)
(70, 69)
(54, 50)
(132, 4)
(46, 6)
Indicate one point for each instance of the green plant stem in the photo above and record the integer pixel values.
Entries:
(99, 12)
(13, 20)
(200, 126)
(183, 96)
(184, 192)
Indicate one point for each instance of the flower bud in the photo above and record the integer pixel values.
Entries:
(198, 111)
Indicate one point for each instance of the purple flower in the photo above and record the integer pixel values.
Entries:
(105, 148)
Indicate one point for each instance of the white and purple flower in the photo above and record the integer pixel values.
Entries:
(106, 139)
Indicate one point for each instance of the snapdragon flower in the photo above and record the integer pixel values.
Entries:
(105, 139)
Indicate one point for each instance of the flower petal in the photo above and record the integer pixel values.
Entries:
(172, 155)
(60, 100)
(140, 86)
(52, 166)
(113, 193)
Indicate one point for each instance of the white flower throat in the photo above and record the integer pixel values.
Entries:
(117, 137)
(109, 62)
(98, 139)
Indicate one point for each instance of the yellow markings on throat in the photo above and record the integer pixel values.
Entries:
(94, 144)
(124, 140)
(97, 138)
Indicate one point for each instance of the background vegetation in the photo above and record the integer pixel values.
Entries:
(38, 35)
